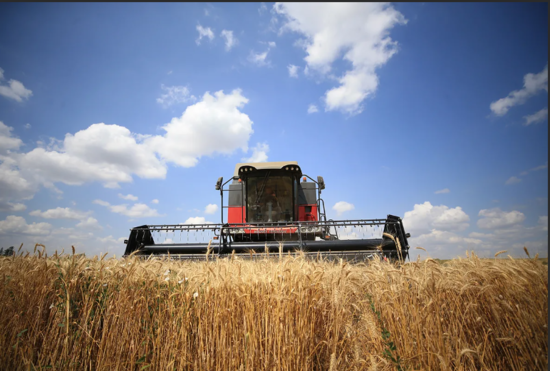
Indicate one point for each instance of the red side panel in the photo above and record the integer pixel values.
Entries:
(307, 213)
(236, 214)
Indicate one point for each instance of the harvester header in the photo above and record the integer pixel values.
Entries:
(272, 207)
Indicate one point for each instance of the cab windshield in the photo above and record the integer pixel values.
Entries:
(269, 199)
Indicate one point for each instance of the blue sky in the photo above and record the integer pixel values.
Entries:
(117, 115)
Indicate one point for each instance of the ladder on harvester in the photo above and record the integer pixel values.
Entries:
(323, 218)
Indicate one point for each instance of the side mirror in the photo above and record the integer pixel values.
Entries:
(219, 183)
(321, 182)
(408, 235)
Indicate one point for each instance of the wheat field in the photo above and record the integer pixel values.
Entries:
(75, 313)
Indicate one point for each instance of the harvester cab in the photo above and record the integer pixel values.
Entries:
(273, 207)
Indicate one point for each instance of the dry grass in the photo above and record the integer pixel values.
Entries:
(76, 313)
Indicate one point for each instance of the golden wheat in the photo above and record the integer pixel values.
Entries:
(70, 312)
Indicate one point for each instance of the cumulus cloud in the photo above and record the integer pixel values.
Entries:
(105, 153)
(425, 218)
(7, 141)
(513, 180)
(496, 218)
(155, 201)
(537, 117)
(342, 206)
(259, 153)
(175, 95)
(128, 197)
(260, 59)
(18, 225)
(356, 32)
(13, 89)
(136, 211)
(61, 213)
(211, 209)
(312, 108)
(197, 220)
(442, 191)
(10, 206)
(438, 237)
(532, 84)
(293, 70)
(230, 39)
(13, 184)
(89, 223)
(213, 125)
(111, 154)
(204, 32)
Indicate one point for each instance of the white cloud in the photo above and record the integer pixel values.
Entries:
(7, 141)
(532, 84)
(14, 90)
(13, 185)
(507, 233)
(259, 153)
(481, 235)
(27, 126)
(356, 32)
(312, 108)
(197, 220)
(211, 209)
(128, 197)
(213, 125)
(262, 9)
(342, 206)
(18, 225)
(534, 247)
(111, 154)
(111, 239)
(442, 191)
(61, 213)
(9, 206)
(204, 32)
(537, 117)
(136, 211)
(425, 218)
(513, 180)
(543, 223)
(496, 218)
(443, 244)
(175, 95)
(444, 237)
(541, 167)
(89, 223)
(106, 153)
(230, 40)
(260, 59)
(155, 201)
(293, 70)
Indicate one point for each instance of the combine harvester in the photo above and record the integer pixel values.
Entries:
(273, 208)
